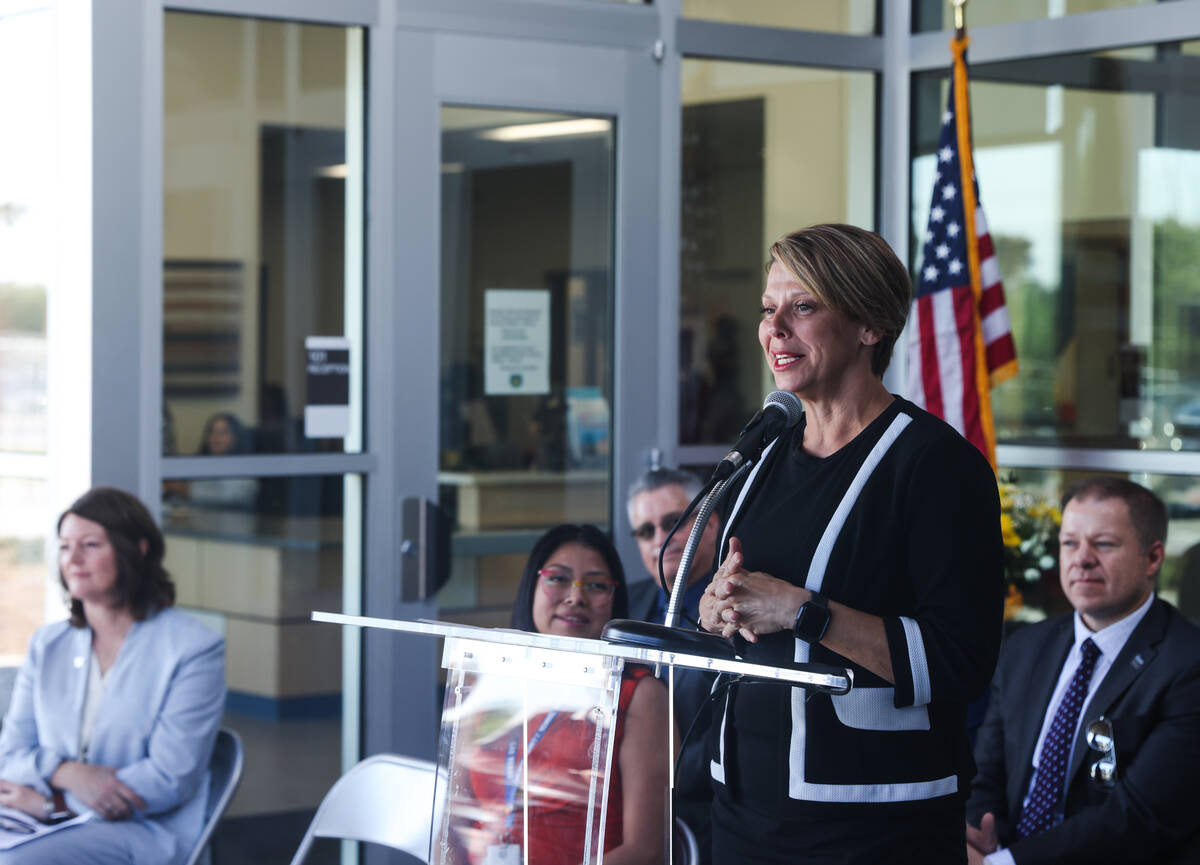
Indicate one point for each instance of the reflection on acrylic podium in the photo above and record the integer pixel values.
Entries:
(527, 738)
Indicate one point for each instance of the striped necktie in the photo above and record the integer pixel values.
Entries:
(1041, 811)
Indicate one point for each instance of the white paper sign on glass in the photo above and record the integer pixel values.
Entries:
(516, 341)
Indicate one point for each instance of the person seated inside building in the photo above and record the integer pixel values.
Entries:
(115, 710)
(224, 435)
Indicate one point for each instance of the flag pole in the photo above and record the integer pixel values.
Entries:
(966, 156)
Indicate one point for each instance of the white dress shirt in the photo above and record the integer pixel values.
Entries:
(1110, 641)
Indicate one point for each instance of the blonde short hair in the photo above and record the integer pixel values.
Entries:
(855, 273)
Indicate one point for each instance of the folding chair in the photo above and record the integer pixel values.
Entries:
(386, 799)
(224, 775)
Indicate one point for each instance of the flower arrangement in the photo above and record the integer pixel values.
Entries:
(1029, 526)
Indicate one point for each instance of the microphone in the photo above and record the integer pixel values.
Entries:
(781, 411)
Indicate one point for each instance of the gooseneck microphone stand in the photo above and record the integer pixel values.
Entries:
(703, 512)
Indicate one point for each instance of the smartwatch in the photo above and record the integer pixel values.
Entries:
(812, 620)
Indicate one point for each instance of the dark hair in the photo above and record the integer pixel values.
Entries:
(1146, 510)
(237, 429)
(143, 586)
(855, 273)
(567, 533)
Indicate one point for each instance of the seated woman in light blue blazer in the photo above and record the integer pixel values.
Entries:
(115, 711)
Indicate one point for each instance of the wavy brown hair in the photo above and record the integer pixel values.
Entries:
(143, 585)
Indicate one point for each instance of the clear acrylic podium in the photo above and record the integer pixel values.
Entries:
(527, 737)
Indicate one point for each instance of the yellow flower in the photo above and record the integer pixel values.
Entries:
(1011, 538)
(1013, 602)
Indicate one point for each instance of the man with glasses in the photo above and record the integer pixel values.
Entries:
(656, 501)
(1121, 675)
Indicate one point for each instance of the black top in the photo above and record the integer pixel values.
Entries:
(910, 515)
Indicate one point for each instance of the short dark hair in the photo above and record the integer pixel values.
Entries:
(143, 585)
(1146, 510)
(567, 533)
(856, 274)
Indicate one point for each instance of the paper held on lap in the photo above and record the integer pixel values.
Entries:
(17, 827)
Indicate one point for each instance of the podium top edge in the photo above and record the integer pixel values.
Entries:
(831, 680)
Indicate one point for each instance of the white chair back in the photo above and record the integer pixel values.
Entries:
(386, 799)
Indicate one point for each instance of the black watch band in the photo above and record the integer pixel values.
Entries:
(812, 620)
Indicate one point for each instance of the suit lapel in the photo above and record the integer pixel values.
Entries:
(1135, 656)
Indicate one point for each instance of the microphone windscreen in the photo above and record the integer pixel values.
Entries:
(789, 403)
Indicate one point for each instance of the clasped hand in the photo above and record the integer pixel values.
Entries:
(21, 798)
(981, 841)
(747, 602)
(99, 788)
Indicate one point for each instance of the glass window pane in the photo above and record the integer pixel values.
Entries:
(1087, 165)
(24, 519)
(1179, 579)
(526, 340)
(262, 221)
(837, 16)
(939, 14)
(254, 573)
(27, 254)
(766, 150)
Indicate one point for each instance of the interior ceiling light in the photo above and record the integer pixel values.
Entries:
(553, 129)
(336, 171)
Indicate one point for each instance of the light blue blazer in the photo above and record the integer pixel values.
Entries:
(157, 722)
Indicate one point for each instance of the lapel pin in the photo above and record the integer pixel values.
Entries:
(1137, 661)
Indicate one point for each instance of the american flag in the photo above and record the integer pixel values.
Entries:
(960, 339)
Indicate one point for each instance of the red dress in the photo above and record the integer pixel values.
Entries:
(560, 765)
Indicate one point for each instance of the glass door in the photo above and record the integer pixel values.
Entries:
(525, 350)
(531, 200)
(526, 322)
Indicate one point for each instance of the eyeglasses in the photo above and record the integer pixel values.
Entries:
(645, 531)
(558, 582)
(1100, 738)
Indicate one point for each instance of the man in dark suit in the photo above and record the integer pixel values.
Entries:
(655, 502)
(1124, 657)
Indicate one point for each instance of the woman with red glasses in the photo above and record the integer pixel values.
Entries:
(572, 585)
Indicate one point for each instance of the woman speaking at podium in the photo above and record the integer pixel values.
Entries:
(867, 536)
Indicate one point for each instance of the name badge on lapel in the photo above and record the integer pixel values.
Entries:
(503, 854)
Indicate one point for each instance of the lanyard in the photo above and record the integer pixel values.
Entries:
(512, 771)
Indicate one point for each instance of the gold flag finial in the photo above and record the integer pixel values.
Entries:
(960, 22)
